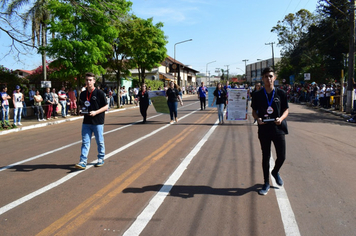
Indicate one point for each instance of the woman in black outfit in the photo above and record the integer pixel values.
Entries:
(143, 98)
(220, 97)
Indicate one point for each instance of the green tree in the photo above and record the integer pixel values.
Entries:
(118, 62)
(292, 28)
(38, 15)
(331, 35)
(83, 36)
(148, 45)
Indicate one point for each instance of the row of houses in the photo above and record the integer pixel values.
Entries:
(188, 75)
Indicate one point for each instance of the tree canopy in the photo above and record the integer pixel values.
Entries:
(314, 43)
(83, 37)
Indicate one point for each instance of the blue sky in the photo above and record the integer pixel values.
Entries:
(225, 31)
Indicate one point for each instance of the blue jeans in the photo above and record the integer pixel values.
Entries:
(63, 107)
(5, 112)
(87, 131)
(221, 111)
(17, 112)
(173, 106)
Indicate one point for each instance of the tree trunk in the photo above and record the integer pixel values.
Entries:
(118, 81)
(44, 44)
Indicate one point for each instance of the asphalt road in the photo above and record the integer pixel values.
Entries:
(190, 178)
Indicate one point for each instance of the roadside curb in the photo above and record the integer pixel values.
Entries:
(55, 122)
(337, 113)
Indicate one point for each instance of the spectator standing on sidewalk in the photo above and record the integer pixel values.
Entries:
(17, 99)
(48, 99)
(38, 105)
(93, 105)
(143, 99)
(220, 97)
(130, 94)
(327, 96)
(31, 94)
(270, 109)
(62, 97)
(5, 105)
(202, 95)
(55, 103)
(173, 97)
(73, 102)
(322, 101)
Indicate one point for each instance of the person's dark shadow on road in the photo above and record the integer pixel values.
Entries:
(184, 191)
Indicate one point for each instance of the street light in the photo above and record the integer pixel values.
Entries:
(241, 70)
(175, 57)
(207, 69)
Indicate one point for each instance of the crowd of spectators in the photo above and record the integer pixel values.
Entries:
(50, 103)
(45, 107)
(326, 96)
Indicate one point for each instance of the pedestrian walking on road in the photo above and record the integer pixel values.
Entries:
(220, 97)
(270, 109)
(202, 95)
(172, 94)
(144, 100)
(93, 105)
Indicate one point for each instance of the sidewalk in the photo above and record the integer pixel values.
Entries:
(32, 122)
(330, 110)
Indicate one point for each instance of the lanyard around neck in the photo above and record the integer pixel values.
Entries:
(269, 101)
(88, 98)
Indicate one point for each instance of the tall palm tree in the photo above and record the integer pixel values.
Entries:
(38, 15)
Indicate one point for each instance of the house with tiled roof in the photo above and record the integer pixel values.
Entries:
(23, 73)
(164, 73)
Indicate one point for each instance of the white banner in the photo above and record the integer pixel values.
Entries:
(237, 104)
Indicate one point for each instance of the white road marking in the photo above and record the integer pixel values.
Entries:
(72, 144)
(146, 215)
(289, 222)
(73, 174)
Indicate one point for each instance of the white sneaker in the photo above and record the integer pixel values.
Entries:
(39, 120)
(19, 123)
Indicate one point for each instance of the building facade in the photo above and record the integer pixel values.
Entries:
(254, 70)
(188, 76)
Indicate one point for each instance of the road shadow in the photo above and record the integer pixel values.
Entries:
(317, 117)
(185, 191)
(28, 168)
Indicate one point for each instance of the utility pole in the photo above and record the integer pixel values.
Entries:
(351, 58)
(246, 60)
(227, 69)
(272, 53)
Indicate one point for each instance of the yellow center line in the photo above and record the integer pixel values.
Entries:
(83, 212)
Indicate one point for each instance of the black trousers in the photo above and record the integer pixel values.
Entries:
(143, 110)
(279, 142)
(202, 102)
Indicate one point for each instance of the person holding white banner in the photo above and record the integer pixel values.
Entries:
(270, 109)
(220, 97)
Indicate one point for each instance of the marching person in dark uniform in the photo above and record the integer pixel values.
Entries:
(144, 100)
(270, 109)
